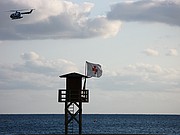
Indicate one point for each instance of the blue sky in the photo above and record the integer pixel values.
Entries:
(136, 42)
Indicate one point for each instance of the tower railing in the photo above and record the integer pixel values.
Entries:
(70, 96)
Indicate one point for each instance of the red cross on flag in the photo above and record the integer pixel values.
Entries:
(93, 70)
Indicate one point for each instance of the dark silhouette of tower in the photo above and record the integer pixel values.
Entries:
(73, 96)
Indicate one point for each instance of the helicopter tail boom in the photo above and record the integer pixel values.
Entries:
(28, 12)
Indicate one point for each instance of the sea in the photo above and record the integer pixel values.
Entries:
(27, 124)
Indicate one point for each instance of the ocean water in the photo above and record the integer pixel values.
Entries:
(92, 124)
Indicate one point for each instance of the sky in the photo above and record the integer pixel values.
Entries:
(135, 41)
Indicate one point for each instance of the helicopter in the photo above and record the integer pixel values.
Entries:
(18, 15)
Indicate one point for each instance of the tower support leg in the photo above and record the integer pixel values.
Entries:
(80, 118)
(73, 116)
(66, 118)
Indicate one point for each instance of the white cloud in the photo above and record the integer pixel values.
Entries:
(172, 52)
(162, 11)
(35, 73)
(100, 26)
(141, 77)
(151, 52)
(141, 67)
(30, 56)
(54, 20)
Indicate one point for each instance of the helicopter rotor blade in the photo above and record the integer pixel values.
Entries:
(14, 10)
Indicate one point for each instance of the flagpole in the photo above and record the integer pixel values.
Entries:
(84, 87)
(85, 69)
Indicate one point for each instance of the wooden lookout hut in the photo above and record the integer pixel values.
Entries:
(73, 96)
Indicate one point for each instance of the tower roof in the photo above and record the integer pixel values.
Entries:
(73, 75)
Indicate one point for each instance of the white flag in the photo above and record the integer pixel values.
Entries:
(93, 70)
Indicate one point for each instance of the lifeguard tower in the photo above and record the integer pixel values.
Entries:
(73, 96)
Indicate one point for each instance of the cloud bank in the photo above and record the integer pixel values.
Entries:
(38, 73)
(160, 11)
(142, 77)
(34, 73)
(64, 19)
(55, 19)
